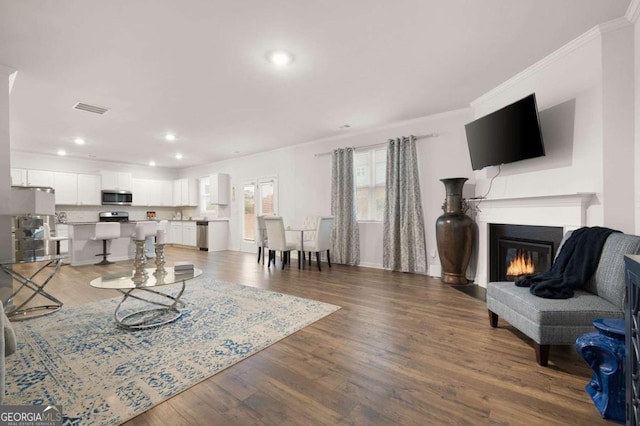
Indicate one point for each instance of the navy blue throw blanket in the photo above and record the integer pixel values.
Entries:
(576, 263)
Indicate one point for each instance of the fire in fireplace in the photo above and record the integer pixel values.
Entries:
(521, 264)
(516, 250)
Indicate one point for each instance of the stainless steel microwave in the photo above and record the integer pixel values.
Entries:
(121, 198)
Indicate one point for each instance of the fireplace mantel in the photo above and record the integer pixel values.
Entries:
(577, 198)
(568, 211)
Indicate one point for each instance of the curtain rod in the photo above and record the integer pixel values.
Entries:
(430, 135)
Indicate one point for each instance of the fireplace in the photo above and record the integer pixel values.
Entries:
(516, 250)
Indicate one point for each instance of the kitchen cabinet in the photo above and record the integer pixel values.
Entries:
(185, 192)
(166, 192)
(219, 188)
(189, 234)
(39, 178)
(76, 189)
(66, 187)
(175, 232)
(182, 232)
(161, 193)
(120, 181)
(218, 235)
(149, 192)
(27, 177)
(140, 190)
(18, 177)
(89, 190)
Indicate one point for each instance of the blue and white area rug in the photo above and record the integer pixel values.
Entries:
(103, 375)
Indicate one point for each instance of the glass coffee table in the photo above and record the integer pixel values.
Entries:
(158, 309)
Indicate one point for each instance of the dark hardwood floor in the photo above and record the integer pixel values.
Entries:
(403, 350)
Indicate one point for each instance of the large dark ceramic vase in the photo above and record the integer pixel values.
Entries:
(454, 233)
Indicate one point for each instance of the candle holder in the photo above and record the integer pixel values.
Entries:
(160, 261)
(139, 262)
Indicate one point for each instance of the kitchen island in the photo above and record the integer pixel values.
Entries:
(85, 251)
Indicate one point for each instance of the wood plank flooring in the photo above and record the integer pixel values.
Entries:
(403, 350)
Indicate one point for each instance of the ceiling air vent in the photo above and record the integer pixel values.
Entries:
(90, 108)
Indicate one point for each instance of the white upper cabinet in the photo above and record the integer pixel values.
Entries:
(185, 193)
(66, 186)
(219, 188)
(40, 178)
(76, 189)
(140, 192)
(166, 192)
(89, 190)
(149, 192)
(19, 177)
(119, 181)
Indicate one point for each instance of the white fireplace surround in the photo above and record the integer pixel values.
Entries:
(566, 210)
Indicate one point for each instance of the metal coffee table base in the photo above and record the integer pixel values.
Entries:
(22, 311)
(165, 312)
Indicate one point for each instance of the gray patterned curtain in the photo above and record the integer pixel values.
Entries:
(345, 236)
(404, 246)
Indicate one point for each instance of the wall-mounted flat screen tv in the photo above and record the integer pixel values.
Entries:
(510, 134)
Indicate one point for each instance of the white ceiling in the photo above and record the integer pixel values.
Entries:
(197, 68)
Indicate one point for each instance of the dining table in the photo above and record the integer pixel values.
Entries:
(301, 229)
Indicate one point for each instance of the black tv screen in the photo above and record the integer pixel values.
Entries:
(507, 135)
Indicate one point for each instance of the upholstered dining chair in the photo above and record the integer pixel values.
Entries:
(277, 241)
(261, 237)
(321, 241)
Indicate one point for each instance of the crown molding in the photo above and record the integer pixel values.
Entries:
(568, 48)
(614, 25)
(633, 11)
(587, 37)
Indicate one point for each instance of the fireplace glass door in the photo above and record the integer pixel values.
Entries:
(517, 250)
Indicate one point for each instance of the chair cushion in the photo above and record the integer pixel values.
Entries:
(548, 321)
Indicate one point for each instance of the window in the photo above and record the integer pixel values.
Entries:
(206, 208)
(370, 169)
(260, 198)
(249, 191)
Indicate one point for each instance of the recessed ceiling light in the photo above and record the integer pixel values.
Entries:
(62, 152)
(280, 58)
(170, 137)
(78, 141)
(152, 163)
(178, 156)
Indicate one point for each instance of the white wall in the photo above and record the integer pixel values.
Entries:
(5, 178)
(568, 88)
(305, 180)
(586, 102)
(618, 128)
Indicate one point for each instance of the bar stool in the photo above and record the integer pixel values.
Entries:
(144, 230)
(46, 235)
(106, 231)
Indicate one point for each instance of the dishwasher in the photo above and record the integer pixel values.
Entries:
(202, 235)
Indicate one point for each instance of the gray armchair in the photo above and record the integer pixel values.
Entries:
(561, 321)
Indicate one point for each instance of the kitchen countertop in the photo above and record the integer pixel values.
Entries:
(221, 219)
